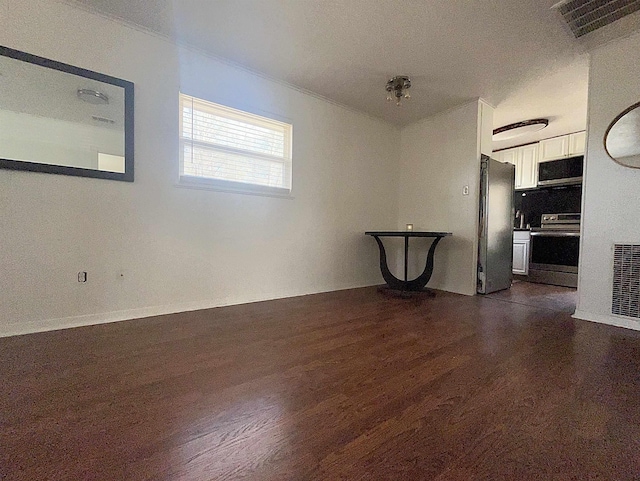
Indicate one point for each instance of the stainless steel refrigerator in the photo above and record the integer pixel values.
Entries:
(495, 247)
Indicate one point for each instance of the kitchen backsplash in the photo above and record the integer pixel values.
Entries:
(549, 200)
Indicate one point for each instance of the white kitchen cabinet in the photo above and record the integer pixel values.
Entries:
(521, 243)
(528, 163)
(563, 146)
(554, 148)
(525, 159)
(577, 143)
(510, 156)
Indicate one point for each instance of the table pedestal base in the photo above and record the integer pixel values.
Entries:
(388, 291)
(416, 284)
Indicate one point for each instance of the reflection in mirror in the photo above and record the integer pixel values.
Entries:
(622, 140)
(62, 119)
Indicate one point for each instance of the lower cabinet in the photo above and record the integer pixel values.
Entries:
(521, 243)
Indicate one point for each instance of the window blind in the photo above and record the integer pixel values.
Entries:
(233, 148)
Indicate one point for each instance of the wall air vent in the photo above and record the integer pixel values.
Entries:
(584, 16)
(626, 280)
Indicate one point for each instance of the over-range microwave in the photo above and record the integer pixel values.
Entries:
(561, 171)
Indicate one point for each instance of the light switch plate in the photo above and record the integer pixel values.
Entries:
(465, 190)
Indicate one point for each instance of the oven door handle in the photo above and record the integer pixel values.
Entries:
(555, 234)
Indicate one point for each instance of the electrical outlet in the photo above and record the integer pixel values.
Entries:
(465, 190)
(82, 276)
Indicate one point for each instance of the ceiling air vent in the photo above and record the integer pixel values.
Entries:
(626, 280)
(584, 16)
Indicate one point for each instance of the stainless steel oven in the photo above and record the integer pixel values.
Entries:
(555, 249)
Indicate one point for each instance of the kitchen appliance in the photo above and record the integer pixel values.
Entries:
(555, 248)
(561, 172)
(495, 246)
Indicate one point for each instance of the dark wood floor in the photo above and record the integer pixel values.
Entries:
(539, 295)
(339, 386)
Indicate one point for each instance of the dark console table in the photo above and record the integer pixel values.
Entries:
(419, 282)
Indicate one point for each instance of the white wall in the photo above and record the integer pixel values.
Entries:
(439, 156)
(611, 193)
(150, 247)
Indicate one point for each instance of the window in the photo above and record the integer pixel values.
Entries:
(232, 149)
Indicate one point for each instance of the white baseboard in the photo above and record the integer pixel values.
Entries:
(100, 318)
(44, 325)
(612, 320)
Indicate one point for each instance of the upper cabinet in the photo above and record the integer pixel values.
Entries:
(510, 156)
(577, 143)
(527, 157)
(563, 146)
(555, 148)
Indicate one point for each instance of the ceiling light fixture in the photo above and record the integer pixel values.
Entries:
(93, 96)
(519, 128)
(397, 88)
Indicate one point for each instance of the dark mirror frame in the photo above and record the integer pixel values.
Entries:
(127, 176)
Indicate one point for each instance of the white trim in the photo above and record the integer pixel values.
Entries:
(612, 320)
(102, 318)
(584, 217)
(183, 184)
(43, 325)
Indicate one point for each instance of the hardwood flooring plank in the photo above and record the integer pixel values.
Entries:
(349, 385)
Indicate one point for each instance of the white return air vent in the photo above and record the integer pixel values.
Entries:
(584, 16)
(626, 280)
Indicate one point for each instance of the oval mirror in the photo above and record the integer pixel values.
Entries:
(622, 139)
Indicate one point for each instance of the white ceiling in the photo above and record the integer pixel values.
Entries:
(516, 54)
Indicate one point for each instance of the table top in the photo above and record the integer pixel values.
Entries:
(406, 233)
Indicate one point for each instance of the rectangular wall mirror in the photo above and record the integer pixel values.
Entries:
(61, 119)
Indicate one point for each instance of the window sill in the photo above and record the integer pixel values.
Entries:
(206, 184)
